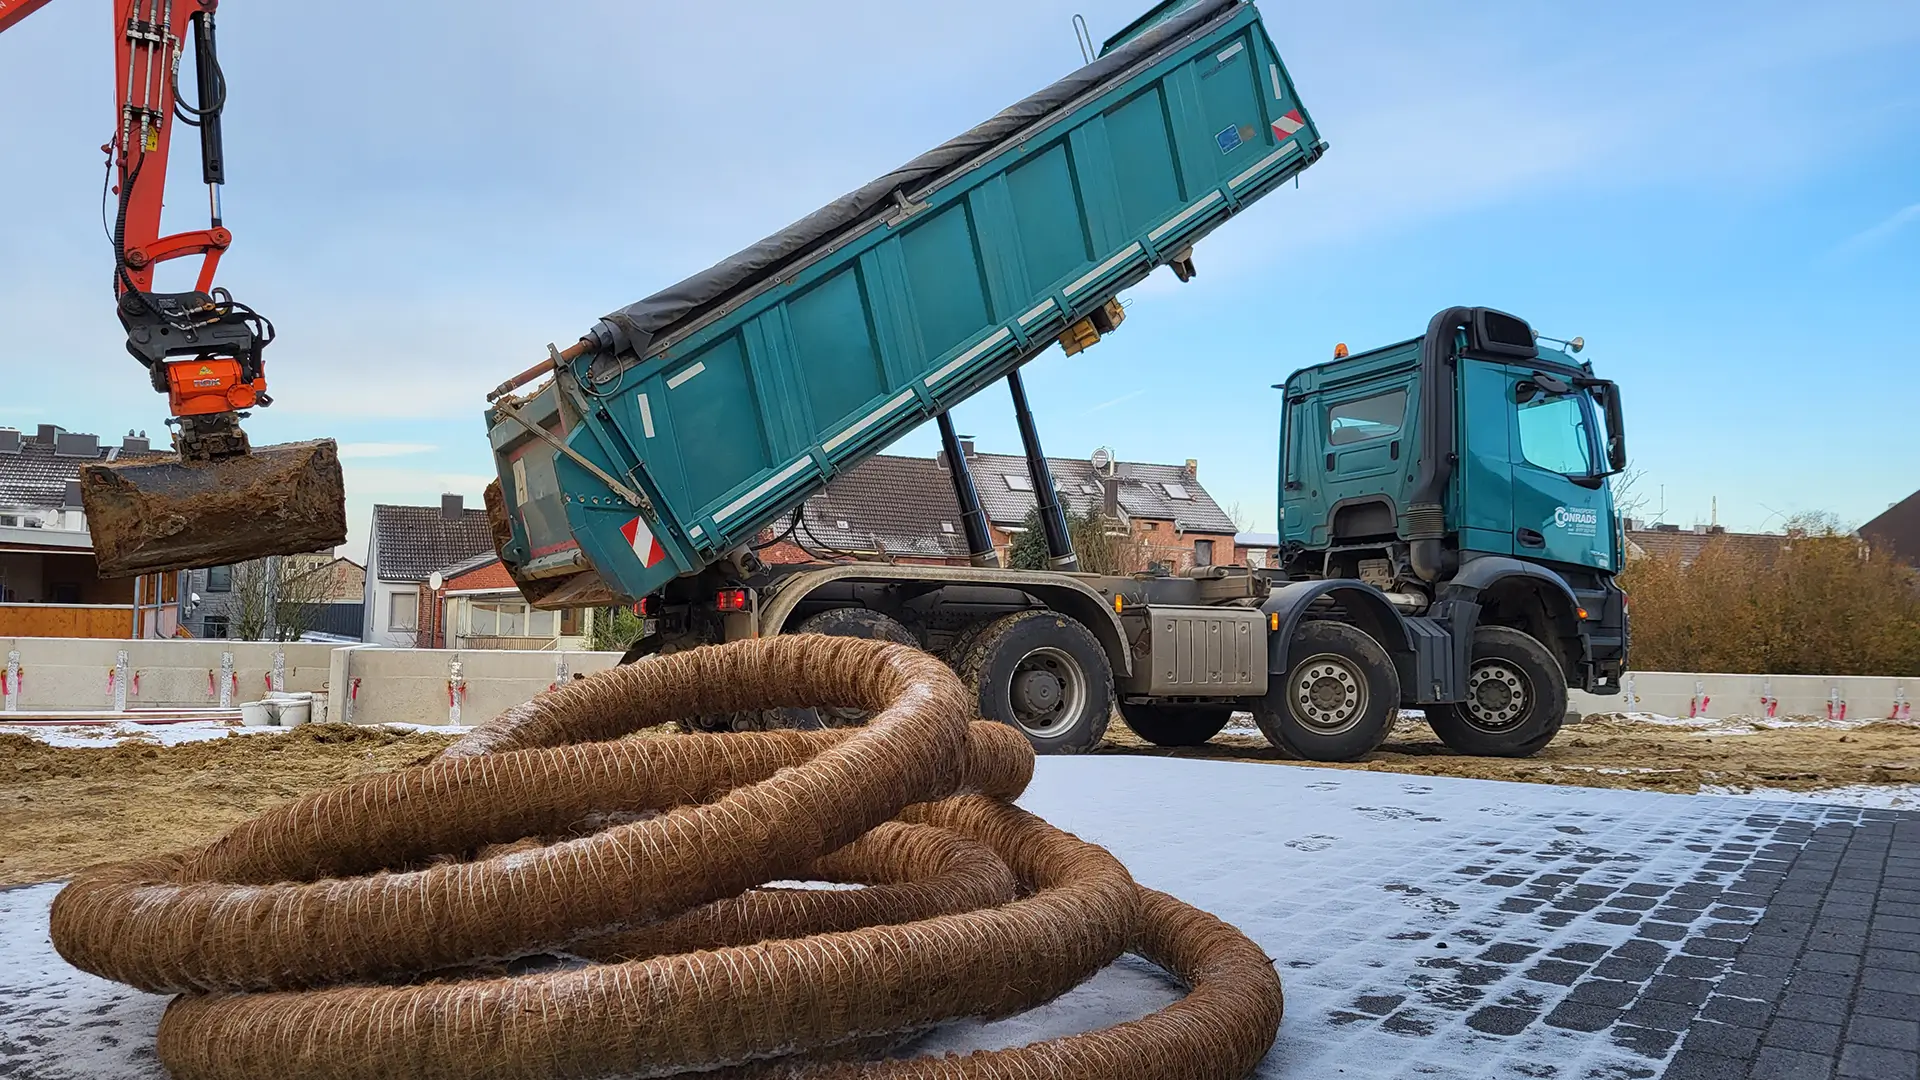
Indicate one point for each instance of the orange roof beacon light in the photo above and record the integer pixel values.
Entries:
(1340, 351)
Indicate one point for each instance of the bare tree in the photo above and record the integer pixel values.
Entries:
(278, 598)
(1630, 497)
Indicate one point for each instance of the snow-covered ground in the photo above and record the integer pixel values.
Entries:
(1423, 926)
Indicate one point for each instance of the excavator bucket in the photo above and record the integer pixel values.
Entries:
(178, 515)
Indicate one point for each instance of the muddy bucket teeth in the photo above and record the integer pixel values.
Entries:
(180, 515)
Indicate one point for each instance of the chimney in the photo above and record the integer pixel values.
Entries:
(966, 448)
(1628, 524)
(135, 444)
(1700, 530)
(76, 445)
(9, 441)
(1110, 496)
(1193, 468)
(47, 432)
(451, 507)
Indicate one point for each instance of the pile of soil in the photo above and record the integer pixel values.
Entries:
(1617, 752)
(62, 808)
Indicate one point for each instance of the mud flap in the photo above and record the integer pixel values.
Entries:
(173, 515)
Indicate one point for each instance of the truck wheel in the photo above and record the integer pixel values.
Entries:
(1045, 674)
(1175, 725)
(1338, 698)
(1516, 698)
(842, 622)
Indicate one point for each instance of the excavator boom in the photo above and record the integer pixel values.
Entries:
(223, 501)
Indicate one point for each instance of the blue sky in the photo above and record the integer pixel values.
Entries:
(1724, 199)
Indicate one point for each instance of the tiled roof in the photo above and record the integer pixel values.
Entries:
(414, 541)
(902, 505)
(905, 505)
(1898, 530)
(34, 477)
(1144, 491)
(1686, 545)
(484, 571)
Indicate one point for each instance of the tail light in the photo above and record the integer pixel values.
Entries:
(730, 600)
(647, 605)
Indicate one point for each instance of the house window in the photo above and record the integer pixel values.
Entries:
(403, 611)
(1017, 481)
(65, 592)
(220, 579)
(213, 626)
(1203, 553)
(1176, 491)
(1366, 418)
(542, 624)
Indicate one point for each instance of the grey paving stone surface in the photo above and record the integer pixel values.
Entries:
(1825, 983)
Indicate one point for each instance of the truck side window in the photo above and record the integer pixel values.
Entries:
(1554, 435)
(1366, 418)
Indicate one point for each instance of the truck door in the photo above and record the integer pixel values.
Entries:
(1560, 499)
(1345, 445)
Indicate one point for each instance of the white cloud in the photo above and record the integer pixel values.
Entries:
(1115, 401)
(1878, 233)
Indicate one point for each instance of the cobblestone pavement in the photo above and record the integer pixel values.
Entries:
(1425, 927)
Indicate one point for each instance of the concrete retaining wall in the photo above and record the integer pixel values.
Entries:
(100, 673)
(1852, 697)
(373, 685)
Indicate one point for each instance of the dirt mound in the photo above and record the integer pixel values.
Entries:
(62, 808)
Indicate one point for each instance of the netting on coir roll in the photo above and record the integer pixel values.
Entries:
(371, 929)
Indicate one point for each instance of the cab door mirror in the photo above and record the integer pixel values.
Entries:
(1606, 393)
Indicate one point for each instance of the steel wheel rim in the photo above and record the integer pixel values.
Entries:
(1499, 695)
(1035, 710)
(1327, 693)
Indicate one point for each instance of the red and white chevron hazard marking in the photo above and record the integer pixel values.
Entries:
(1288, 124)
(640, 538)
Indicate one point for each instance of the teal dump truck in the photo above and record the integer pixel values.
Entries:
(662, 445)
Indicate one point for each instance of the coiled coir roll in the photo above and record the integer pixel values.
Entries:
(379, 928)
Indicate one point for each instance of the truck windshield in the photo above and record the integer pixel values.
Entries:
(1555, 436)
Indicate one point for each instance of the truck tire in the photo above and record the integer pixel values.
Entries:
(841, 622)
(1175, 725)
(1516, 698)
(1045, 674)
(1337, 700)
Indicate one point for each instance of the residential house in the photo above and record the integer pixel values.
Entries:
(1674, 542)
(49, 584)
(904, 508)
(330, 588)
(406, 545)
(479, 607)
(1897, 530)
(1258, 550)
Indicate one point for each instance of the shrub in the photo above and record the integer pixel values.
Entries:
(1823, 604)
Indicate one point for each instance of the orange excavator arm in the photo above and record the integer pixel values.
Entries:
(201, 348)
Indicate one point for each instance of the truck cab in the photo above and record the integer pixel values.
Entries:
(1463, 475)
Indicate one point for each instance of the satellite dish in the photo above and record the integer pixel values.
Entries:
(434, 581)
(1102, 461)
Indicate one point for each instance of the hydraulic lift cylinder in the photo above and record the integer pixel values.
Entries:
(1053, 520)
(973, 520)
